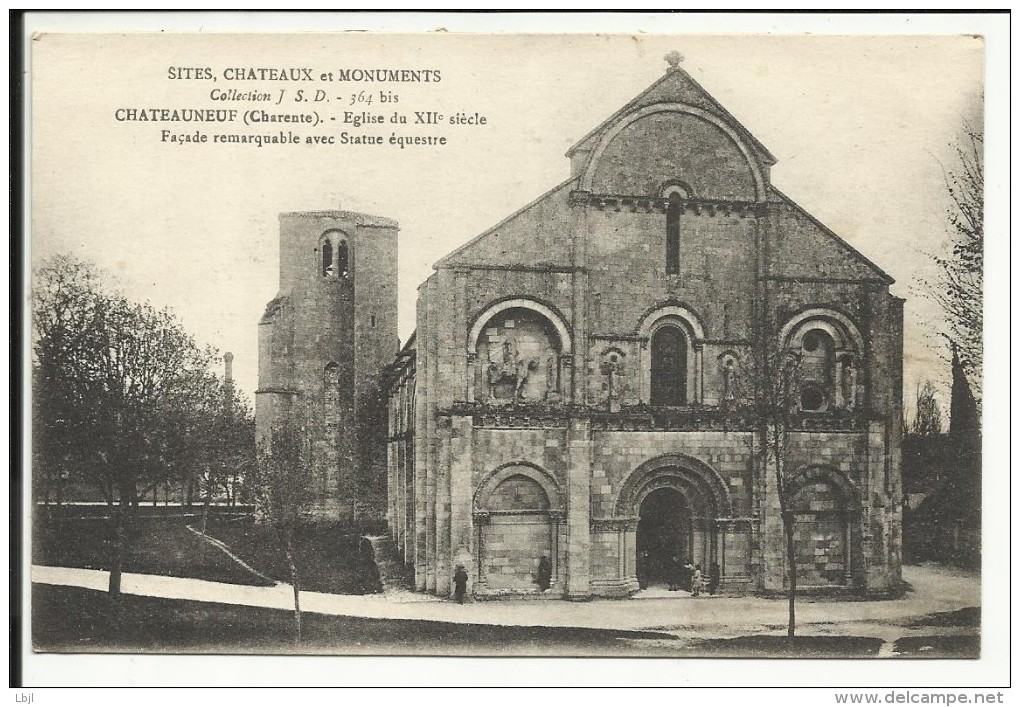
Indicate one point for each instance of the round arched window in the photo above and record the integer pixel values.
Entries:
(812, 340)
(812, 398)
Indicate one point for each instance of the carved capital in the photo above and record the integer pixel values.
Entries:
(614, 523)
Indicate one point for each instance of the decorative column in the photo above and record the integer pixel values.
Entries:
(848, 575)
(566, 374)
(555, 518)
(578, 556)
(469, 377)
(481, 519)
(444, 570)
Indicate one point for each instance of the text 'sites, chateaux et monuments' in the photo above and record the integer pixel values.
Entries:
(586, 380)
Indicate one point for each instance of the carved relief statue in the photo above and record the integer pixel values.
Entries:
(848, 383)
(550, 378)
(612, 368)
(512, 369)
(729, 377)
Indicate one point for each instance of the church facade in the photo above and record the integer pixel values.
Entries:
(587, 379)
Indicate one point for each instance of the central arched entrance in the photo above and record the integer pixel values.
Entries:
(663, 536)
(678, 501)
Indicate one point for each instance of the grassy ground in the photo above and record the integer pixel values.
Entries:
(330, 558)
(66, 619)
(162, 546)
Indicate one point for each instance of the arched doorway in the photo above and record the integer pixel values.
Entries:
(663, 536)
(678, 501)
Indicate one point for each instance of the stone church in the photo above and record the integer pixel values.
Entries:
(582, 382)
(586, 378)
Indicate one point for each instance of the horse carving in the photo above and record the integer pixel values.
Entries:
(513, 369)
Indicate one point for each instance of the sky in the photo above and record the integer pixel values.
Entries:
(862, 128)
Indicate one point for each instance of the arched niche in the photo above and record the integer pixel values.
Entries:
(518, 352)
(538, 476)
(829, 349)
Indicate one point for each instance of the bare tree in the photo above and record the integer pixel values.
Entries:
(959, 287)
(776, 376)
(282, 489)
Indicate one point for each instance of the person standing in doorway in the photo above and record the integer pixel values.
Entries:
(642, 569)
(544, 578)
(696, 581)
(460, 578)
(673, 573)
(714, 577)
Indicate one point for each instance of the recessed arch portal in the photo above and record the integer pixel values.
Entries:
(677, 500)
(825, 504)
(517, 511)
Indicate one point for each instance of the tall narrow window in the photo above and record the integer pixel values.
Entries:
(669, 367)
(673, 234)
(343, 265)
(327, 258)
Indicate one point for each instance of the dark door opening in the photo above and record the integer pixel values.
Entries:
(664, 533)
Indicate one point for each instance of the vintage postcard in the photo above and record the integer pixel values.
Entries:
(659, 344)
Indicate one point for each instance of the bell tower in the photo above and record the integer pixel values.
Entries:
(324, 341)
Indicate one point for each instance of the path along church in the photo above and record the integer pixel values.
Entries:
(582, 381)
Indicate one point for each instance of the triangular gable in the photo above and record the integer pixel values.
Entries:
(805, 247)
(677, 86)
(532, 235)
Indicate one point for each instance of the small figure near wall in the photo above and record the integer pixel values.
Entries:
(696, 581)
(544, 578)
(460, 578)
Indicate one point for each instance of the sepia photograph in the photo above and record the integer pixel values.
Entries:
(515, 344)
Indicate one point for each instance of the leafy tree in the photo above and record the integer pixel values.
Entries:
(117, 385)
(927, 413)
(282, 489)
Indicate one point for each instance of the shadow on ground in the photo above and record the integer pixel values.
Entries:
(175, 626)
(928, 647)
(786, 647)
(331, 557)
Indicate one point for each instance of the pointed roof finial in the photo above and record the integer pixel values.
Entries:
(673, 59)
